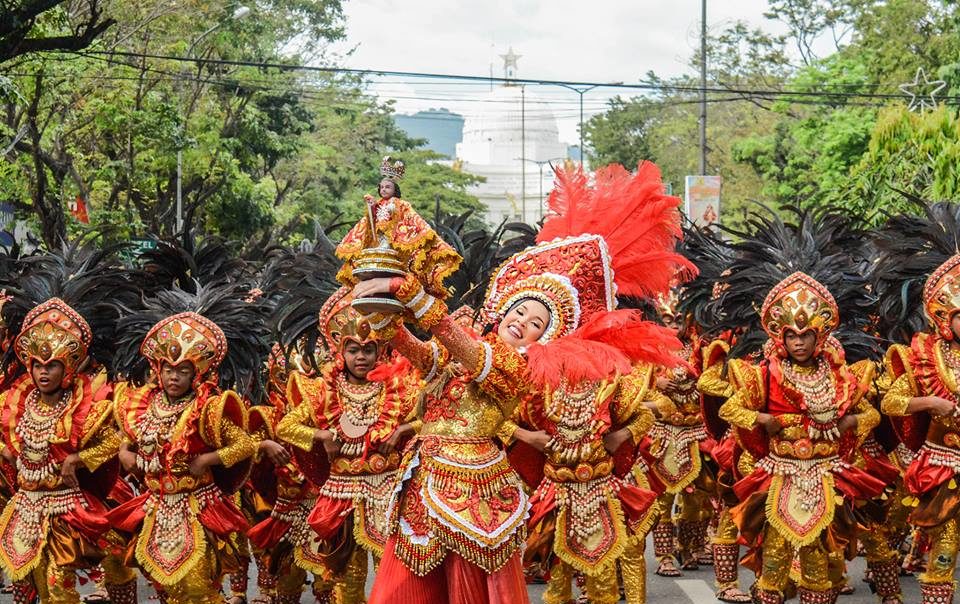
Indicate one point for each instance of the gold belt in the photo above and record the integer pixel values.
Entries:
(583, 472)
(373, 464)
(174, 484)
(804, 448)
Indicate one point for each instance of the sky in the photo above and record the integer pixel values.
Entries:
(571, 40)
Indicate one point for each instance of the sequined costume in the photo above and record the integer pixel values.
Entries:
(63, 310)
(928, 368)
(680, 448)
(459, 513)
(458, 501)
(48, 529)
(798, 500)
(184, 523)
(349, 516)
(580, 504)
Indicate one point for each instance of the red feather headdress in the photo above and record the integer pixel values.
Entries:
(616, 235)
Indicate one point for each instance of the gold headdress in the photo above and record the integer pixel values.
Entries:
(186, 336)
(941, 296)
(340, 322)
(53, 331)
(799, 303)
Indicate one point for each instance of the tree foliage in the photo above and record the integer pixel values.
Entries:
(266, 152)
(801, 147)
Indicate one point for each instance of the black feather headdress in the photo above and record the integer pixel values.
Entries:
(828, 246)
(482, 252)
(243, 323)
(309, 279)
(712, 256)
(909, 248)
(91, 280)
(207, 262)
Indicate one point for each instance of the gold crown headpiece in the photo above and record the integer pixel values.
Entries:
(186, 336)
(392, 169)
(53, 331)
(941, 296)
(799, 303)
(340, 322)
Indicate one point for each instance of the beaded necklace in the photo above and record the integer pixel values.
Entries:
(155, 428)
(819, 396)
(34, 430)
(572, 412)
(951, 357)
(359, 411)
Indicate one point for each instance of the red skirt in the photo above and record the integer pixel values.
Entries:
(455, 581)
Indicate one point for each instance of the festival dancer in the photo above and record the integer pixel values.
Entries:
(679, 446)
(802, 411)
(57, 426)
(922, 401)
(458, 516)
(357, 413)
(186, 437)
(592, 517)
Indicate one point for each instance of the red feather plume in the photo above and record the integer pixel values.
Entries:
(638, 220)
(606, 345)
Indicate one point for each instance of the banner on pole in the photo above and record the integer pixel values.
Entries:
(701, 199)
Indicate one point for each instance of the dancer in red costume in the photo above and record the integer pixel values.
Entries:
(356, 413)
(57, 426)
(458, 516)
(185, 437)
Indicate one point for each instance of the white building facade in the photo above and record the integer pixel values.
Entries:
(510, 145)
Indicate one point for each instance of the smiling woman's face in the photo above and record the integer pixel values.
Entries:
(524, 324)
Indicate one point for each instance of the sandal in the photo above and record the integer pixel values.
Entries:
(846, 590)
(668, 568)
(733, 594)
(100, 596)
(690, 564)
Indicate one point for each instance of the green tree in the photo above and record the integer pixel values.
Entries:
(912, 152)
(28, 26)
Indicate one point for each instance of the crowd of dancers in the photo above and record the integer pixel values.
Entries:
(475, 412)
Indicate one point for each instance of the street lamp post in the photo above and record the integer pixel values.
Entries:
(581, 90)
(540, 165)
(239, 13)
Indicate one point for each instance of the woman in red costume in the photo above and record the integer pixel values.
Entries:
(185, 437)
(458, 516)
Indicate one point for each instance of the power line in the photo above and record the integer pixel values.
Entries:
(660, 87)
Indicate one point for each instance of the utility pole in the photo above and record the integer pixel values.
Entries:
(703, 87)
(540, 164)
(523, 154)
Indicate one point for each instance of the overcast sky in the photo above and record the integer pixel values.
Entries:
(573, 40)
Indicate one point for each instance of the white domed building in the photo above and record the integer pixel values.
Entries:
(504, 143)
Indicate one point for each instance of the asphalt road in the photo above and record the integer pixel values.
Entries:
(695, 587)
